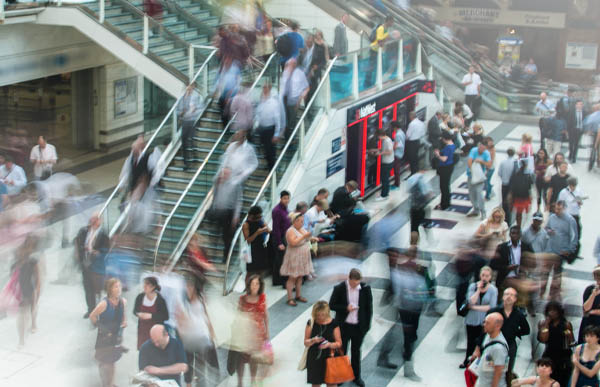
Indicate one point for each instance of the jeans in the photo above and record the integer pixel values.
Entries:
(445, 173)
(476, 196)
(385, 179)
(506, 204)
(488, 182)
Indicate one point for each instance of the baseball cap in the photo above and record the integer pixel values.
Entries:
(538, 216)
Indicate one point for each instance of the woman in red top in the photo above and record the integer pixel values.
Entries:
(254, 304)
(197, 260)
(542, 162)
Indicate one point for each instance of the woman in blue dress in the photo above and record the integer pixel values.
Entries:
(586, 359)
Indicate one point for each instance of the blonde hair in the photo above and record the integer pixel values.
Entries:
(494, 211)
(320, 306)
(294, 215)
(109, 284)
(527, 138)
(485, 268)
(477, 126)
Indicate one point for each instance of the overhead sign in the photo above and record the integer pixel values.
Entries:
(502, 17)
(581, 56)
(368, 107)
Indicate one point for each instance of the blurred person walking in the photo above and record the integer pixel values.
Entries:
(414, 136)
(198, 336)
(490, 171)
(481, 297)
(562, 229)
(256, 233)
(492, 231)
(29, 280)
(297, 261)
(557, 335)
(508, 167)
(150, 308)
(293, 90)
(542, 162)
(281, 223)
(257, 349)
(322, 334)
(591, 305)
(399, 145)
(585, 372)
(43, 157)
(237, 164)
(379, 36)
(12, 176)
(446, 163)
(318, 64)
(241, 107)
(189, 110)
(520, 191)
(340, 40)
(478, 162)
(91, 245)
(289, 44)
(109, 317)
(352, 302)
(573, 198)
(270, 123)
(420, 195)
(515, 325)
(135, 171)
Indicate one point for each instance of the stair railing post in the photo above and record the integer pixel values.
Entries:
(191, 63)
(301, 153)
(205, 79)
(174, 131)
(273, 188)
(101, 15)
(355, 89)
(379, 68)
(146, 31)
(401, 60)
(418, 64)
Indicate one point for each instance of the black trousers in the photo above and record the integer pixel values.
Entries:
(89, 289)
(410, 325)
(445, 173)
(542, 124)
(225, 219)
(278, 279)
(266, 135)
(351, 333)
(574, 139)
(417, 217)
(291, 119)
(473, 333)
(187, 135)
(471, 100)
(506, 204)
(412, 155)
(578, 221)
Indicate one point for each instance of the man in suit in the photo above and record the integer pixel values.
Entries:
(340, 41)
(575, 129)
(434, 133)
(91, 244)
(511, 259)
(352, 302)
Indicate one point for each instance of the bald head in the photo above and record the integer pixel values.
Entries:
(543, 96)
(493, 324)
(159, 336)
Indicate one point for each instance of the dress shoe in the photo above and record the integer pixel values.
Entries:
(385, 363)
(359, 382)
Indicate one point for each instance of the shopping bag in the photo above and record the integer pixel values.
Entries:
(477, 173)
(338, 369)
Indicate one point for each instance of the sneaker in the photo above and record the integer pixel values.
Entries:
(394, 187)
(381, 199)
(472, 214)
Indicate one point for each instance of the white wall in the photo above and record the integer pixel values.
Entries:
(31, 51)
(310, 16)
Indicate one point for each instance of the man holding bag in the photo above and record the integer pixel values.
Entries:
(477, 163)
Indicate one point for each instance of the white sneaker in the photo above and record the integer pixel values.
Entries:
(381, 199)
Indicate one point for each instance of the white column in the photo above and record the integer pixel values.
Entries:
(441, 96)
(191, 63)
(101, 16)
(355, 92)
(327, 95)
(204, 76)
(430, 72)
(379, 78)
(146, 31)
(418, 64)
(401, 60)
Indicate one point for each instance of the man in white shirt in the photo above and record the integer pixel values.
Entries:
(472, 84)
(399, 145)
(315, 218)
(414, 134)
(270, 121)
(387, 161)
(294, 88)
(573, 198)
(13, 176)
(546, 110)
(43, 157)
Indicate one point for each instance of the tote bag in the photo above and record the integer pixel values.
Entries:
(477, 174)
(338, 369)
(302, 364)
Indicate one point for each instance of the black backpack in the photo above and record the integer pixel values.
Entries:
(373, 34)
(284, 45)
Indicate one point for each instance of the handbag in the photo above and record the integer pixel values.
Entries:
(265, 355)
(302, 364)
(338, 369)
(477, 174)
(463, 310)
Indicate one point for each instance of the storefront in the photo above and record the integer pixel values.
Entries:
(377, 113)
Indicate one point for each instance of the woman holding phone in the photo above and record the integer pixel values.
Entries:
(591, 305)
(321, 335)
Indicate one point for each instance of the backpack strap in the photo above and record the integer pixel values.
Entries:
(493, 342)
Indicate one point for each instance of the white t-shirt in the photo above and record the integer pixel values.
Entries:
(46, 154)
(387, 145)
(472, 88)
(492, 356)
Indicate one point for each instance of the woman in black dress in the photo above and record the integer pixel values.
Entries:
(321, 335)
(557, 333)
(255, 233)
(591, 305)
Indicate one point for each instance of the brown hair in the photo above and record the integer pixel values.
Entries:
(108, 285)
(261, 282)
(355, 274)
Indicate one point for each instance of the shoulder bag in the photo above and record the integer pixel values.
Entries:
(302, 364)
(338, 369)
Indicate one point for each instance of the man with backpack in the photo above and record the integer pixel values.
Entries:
(493, 356)
(289, 44)
(379, 35)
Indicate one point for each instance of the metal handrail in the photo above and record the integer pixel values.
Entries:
(191, 183)
(324, 78)
(149, 142)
